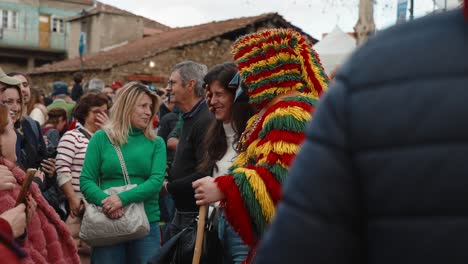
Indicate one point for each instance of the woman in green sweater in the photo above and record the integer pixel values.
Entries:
(130, 127)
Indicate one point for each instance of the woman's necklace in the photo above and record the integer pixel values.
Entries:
(241, 145)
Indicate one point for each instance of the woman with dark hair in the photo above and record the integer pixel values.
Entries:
(53, 129)
(231, 115)
(91, 114)
(36, 108)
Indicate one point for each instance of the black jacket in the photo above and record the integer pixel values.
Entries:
(383, 174)
(188, 156)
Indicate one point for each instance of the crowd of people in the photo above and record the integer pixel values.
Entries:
(227, 137)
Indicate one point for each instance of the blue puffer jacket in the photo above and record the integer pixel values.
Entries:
(383, 175)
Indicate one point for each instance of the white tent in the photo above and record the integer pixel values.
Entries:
(449, 4)
(334, 48)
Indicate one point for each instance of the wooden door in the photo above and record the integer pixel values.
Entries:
(44, 31)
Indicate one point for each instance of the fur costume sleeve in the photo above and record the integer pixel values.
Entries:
(254, 187)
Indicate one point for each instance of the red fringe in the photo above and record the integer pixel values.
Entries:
(264, 87)
(283, 135)
(313, 77)
(287, 159)
(270, 52)
(285, 104)
(280, 104)
(272, 185)
(235, 210)
(286, 67)
(259, 44)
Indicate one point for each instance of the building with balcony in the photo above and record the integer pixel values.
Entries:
(35, 32)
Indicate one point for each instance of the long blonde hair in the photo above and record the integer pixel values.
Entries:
(121, 112)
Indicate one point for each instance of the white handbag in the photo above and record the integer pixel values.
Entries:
(98, 230)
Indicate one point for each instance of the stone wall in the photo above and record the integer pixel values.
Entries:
(209, 52)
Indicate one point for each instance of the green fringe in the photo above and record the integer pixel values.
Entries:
(253, 206)
(321, 70)
(279, 63)
(276, 79)
(261, 52)
(264, 98)
(303, 99)
(286, 123)
(278, 172)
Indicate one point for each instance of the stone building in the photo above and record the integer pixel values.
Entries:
(37, 32)
(150, 59)
(107, 27)
(34, 32)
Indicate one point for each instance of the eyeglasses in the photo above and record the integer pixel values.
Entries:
(170, 83)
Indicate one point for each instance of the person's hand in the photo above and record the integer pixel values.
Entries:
(101, 119)
(76, 206)
(46, 140)
(207, 191)
(7, 180)
(48, 166)
(116, 214)
(208, 96)
(39, 174)
(111, 204)
(164, 188)
(32, 205)
(16, 217)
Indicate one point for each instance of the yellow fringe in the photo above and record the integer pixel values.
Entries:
(295, 111)
(269, 61)
(279, 147)
(273, 89)
(260, 191)
(280, 73)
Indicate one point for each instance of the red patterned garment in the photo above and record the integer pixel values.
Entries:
(48, 240)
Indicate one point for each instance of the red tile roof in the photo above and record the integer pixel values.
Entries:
(104, 8)
(150, 46)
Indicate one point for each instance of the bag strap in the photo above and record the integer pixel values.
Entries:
(85, 133)
(121, 159)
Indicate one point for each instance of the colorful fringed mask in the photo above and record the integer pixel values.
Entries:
(277, 61)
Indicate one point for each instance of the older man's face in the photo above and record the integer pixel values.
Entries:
(175, 88)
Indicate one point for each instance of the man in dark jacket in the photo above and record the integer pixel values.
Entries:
(383, 175)
(185, 85)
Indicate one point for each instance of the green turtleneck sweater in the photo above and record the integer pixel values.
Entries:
(146, 164)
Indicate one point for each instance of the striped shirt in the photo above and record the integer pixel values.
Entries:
(71, 152)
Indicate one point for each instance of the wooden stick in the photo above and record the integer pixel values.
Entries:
(200, 231)
(25, 187)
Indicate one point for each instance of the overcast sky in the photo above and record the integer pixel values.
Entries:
(313, 16)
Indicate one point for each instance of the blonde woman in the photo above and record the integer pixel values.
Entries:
(129, 127)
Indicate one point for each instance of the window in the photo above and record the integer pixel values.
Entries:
(9, 19)
(57, 25)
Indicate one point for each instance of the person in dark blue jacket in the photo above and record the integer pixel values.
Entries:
(383, 175)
